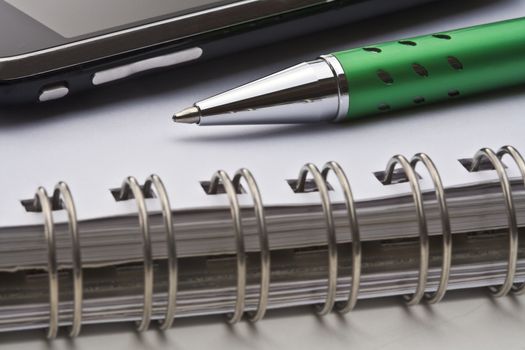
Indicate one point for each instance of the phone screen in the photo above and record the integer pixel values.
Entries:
(72, 18)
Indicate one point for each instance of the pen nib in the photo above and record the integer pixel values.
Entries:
(190, 115)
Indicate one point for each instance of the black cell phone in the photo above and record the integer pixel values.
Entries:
(53, 48)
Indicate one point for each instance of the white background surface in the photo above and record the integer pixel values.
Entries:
(94, 140)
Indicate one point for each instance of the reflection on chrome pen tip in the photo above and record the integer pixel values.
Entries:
(190, 115)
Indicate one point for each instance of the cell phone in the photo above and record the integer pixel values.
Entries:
(53, 48)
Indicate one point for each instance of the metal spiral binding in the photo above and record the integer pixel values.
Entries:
(424, 255)
(347, 306)
(495, 160)
(520, 162)
(62, 198)
(445, 226)
(130, 186)
(263, 240)
(42, 203)
(322, 187)
(222, 177)
(156, 183)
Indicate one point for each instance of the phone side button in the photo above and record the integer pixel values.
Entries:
(53, 92)
(127, 70)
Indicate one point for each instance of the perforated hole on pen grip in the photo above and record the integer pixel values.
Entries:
(453, 93)
(442, 36)
(384, 107)
(385, 77)
(455, 63)
(372, 49)
(420, 70)
(407, 43)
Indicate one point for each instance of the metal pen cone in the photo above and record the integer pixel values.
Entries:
(310, 92)
(190, 115)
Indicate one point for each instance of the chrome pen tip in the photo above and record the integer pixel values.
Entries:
(190, 115)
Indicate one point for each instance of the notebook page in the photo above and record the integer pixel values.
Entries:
(94, 141)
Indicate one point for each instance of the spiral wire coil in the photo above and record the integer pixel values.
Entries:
(320, 180)
(520, 162)
(495, 159)
(445, 226)
(330, 232)
(63, 199)
(344, 307)
(263, 241)
(424, 249)
(232, 188)
(131, 187)
(154, 182)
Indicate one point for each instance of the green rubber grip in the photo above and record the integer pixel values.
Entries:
(432, 68)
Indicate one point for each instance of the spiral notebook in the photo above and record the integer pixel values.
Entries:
(95, 149)
(123, 279)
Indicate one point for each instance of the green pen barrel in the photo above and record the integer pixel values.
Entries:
(434, 68)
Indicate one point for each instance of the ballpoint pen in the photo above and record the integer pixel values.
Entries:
(375, 79)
